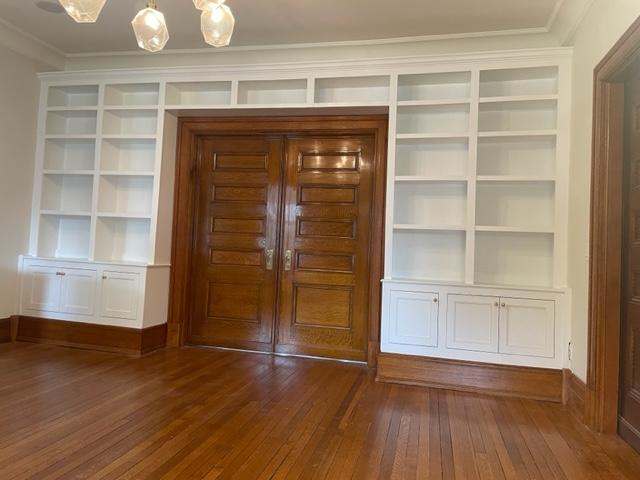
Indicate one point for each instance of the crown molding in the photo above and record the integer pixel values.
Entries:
(30, 46)
(566, 18)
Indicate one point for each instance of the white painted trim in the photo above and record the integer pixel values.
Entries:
(30, 46)
(566, 19)
(352, 67)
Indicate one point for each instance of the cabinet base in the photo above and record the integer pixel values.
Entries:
(91, 336)
(515, 381)
(5, 330)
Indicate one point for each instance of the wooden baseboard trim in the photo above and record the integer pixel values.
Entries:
(506, 380)
(91, 336)
(574, 394)
(5, 330)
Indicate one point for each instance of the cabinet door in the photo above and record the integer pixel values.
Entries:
(472, 323)
(119, 295)
(41, 288)
(413, 318)
(527, 327)
(77, 291)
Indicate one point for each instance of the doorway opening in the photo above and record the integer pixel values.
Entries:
(278, 234)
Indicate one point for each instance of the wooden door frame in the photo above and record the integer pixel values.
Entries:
(601, 396)
(190, 129)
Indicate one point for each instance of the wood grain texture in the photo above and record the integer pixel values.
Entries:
(601, 396)
(205, 413)
(575, 395)
(526, 382)
(192, 130)
(5, 330)
(91, 336)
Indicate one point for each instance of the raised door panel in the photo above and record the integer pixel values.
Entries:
(413, 318)
(77, 291)
(472, 323)
(324, 289)
(41, 288)
(527, 327)
(238, 207)
(119, 296)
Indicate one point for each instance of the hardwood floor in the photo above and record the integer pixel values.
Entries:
(205, 413)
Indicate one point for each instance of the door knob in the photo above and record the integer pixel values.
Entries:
(287, 260)
(269, 259)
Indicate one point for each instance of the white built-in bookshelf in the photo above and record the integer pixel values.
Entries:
(477, 162)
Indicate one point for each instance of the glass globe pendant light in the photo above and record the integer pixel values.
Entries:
(216, 23)
(83, 11)
(150, 28)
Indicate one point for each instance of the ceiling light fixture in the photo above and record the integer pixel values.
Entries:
(150, 27)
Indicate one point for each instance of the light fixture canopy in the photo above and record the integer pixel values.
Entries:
(83, 11)
(216, 23)
(150, 28)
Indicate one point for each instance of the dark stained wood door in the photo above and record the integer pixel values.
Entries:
(629, 411)
(281, 243)
(235, 239)
(324, 287)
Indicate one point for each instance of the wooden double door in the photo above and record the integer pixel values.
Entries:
(281, 242)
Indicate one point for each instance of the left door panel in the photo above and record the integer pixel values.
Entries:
(235, 242)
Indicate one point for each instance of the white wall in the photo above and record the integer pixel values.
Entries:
(603, 25)
(19, 92)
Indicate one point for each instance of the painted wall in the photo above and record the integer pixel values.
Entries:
(603, 25)
(19, 93)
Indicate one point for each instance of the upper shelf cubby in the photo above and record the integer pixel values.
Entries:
(198, 93)
(71, 122)
(352, 90)
(515, 82)
(432, 87)
(272, 92)
(73, 96)
(134, 94)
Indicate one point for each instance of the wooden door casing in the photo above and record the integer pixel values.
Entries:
(324, 293)
(190, 132)
(629, 409)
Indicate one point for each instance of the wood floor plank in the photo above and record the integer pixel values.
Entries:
(196, 413)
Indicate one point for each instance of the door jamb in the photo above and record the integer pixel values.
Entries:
(189, 129)
(601, 399)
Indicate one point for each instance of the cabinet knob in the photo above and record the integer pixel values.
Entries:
(435, 299)
(503, 304)
(104, 277)
(495, 304)
(60, 273)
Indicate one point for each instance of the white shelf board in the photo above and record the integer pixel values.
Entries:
(515, 178)
(419, 227)
(518, 98)
(116, 215)
(506, 229)
(518, 133)
(446, 101)
(67, 172)
(431, 136)
(125, 173)
(66, 213)
(427, 179)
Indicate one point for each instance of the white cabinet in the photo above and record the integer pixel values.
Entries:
(58, 289)
(119, 294)
(413, 317)
(91, 292)
(501, 324)
(478, 324)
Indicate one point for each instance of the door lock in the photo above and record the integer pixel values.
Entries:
(269, 259)
(287, 260)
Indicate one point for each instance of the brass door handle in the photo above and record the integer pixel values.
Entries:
(287, 260)
(269, 259)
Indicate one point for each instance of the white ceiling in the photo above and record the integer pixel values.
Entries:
(285, 22)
